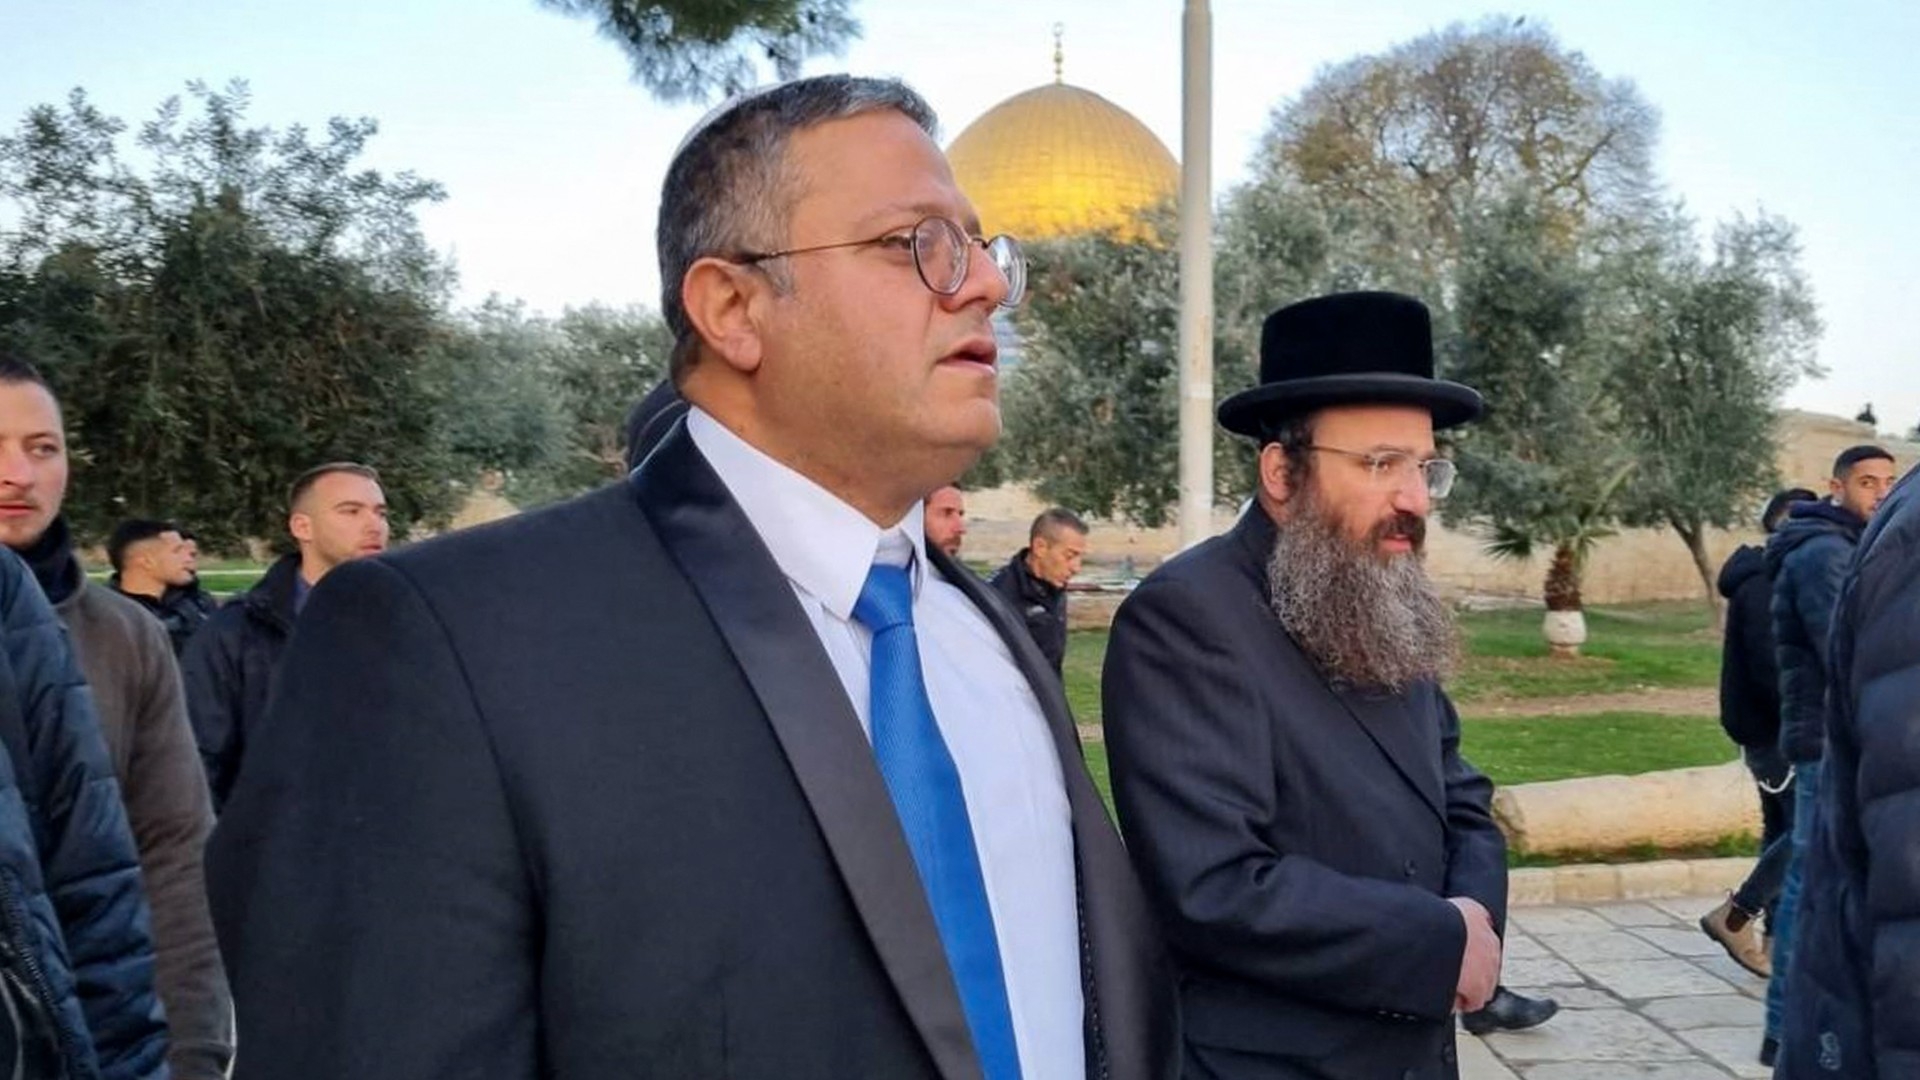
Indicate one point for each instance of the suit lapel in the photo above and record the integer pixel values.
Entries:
(1388, 720)
(753, 606)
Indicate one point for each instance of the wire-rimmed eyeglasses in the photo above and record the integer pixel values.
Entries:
(942, 252)
(1391, 468)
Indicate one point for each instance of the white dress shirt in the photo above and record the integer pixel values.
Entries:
(987, 713)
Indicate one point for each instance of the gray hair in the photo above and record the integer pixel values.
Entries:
(1053, 521)
(729, 191)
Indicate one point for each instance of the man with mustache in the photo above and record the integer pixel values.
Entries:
(1285, 765)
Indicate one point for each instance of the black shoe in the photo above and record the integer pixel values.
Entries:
(1769, 1049)
(1509, 1011)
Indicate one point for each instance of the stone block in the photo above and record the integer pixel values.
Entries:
(1633, 915)
(1638, 980)
(1606, 945)
(1689, 942)
(1589, 1035)
(1558, 921)
(1625, 1070)
(1716, 1010)
(1585, 883)
(1530, 886)
(1737, 1048)
(1647, 880)
(1478, 1063)
(1672, 808)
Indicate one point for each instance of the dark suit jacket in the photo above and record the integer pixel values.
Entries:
(579, 796)
(1297, 839)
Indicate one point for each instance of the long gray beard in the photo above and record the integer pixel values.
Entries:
(1371, 623)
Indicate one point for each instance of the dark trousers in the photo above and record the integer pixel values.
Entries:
(1761, 891)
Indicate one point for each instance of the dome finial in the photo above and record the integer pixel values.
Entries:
(1059, 58)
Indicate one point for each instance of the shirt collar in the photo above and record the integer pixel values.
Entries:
(822, 545)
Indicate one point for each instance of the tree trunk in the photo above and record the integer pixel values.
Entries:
(1695, 537)
(1563, 580)
(1563, 599)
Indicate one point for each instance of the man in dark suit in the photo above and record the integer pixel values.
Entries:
(718, 771)
(1285, 765)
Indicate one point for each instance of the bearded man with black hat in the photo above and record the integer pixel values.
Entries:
(1285, 766)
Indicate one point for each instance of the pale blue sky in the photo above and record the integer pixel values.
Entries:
(553, 159)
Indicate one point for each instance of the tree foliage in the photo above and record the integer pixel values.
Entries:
(690, 50)
(541, 402)
(1497, 175)
(1090, 409)
(1543, 470)
(1704, 349)
(244, 305)
(1402, 149)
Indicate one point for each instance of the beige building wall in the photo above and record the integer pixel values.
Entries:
(1639, 564)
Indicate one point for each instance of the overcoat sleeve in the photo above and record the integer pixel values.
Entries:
(367, 868)
(1189, 730)
(1476, 848)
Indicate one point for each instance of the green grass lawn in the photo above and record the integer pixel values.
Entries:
(1523, 749)
(1628, 648)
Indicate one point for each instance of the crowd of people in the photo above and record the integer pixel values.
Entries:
(1781, 681)
(733, 769)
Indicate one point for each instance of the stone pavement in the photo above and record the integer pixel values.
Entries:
(1644, 995)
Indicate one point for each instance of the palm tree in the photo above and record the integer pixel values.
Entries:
(1570, 531)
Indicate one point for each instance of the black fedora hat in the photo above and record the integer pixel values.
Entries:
(1357, 348)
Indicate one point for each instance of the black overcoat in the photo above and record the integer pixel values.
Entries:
(1298, 839)
(579, 796)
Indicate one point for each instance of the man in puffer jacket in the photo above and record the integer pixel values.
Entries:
(1808, 558)
(73, 918)
(1750, 713)
(1853, 1007)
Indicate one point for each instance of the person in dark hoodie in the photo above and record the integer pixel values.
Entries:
(336, 513)
(1808, 557)
(1855, 994)
(128, 661)
(1750, 714)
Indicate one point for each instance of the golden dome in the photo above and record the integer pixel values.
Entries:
(1058, 161)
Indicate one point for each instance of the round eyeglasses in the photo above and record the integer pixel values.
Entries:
(942, 253)
(1391, 469)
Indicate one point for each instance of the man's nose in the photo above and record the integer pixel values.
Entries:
(15, 469)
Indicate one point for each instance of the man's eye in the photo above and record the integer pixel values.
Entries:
(897, 242)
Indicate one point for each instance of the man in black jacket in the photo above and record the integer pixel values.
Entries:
(1808, 557)
(152, 568)
(1286, 768)
(1853, 1005)
(720, 770)
(1750, 714)
(1035, 580)
(336, 513)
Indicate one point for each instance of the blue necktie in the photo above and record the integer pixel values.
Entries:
(926, 792)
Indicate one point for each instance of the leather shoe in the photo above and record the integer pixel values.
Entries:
(1744, 945)
(1769, 1049)
(1509, 1011)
